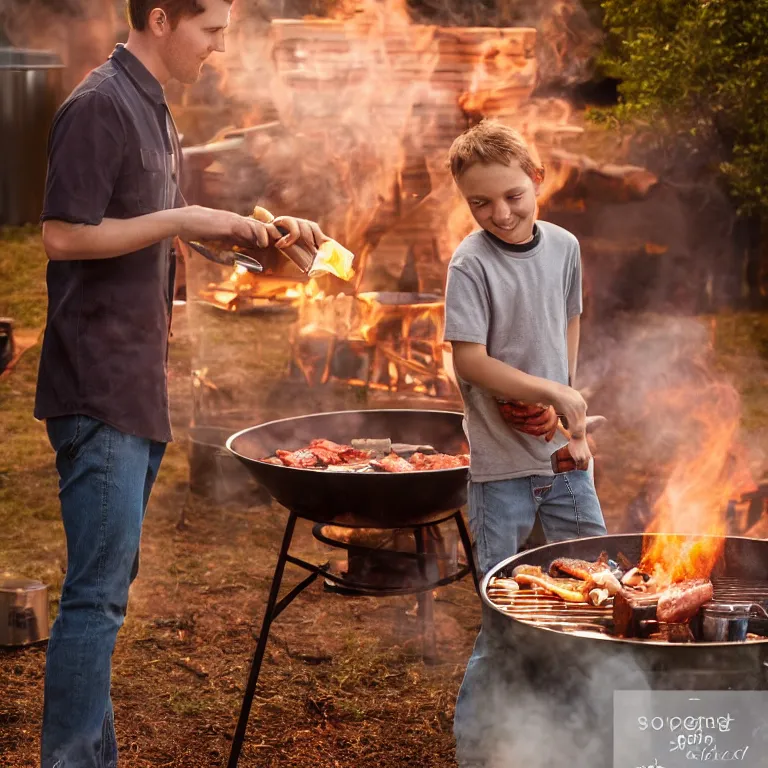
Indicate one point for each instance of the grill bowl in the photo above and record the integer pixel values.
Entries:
(375, 500)
(571, 677)
(743, 565)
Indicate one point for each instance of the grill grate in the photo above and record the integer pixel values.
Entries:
(551, 612)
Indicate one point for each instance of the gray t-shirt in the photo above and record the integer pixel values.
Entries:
(518, 305)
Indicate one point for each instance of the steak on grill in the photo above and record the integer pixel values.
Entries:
(579, 569)
(635, 612)
(681, 602)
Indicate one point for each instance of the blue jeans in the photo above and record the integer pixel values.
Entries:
(105, 478)
(501, 517)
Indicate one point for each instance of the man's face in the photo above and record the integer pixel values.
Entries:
(194, 39)
(502, 199)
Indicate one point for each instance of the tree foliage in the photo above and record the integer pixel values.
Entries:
(696, 71)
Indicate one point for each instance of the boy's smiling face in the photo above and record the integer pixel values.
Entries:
(502, 199)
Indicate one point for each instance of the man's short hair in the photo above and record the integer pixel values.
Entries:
(491, 142)
(139, 10)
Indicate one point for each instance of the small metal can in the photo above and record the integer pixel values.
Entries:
(725, 622)
(23, 612)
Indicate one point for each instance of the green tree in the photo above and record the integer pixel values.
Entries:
(694, 73)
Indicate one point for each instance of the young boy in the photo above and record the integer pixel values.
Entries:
(513, 301)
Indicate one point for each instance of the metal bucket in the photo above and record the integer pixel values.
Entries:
(23, 612)
(30, 92)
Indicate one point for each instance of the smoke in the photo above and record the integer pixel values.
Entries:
(369, 98)
(543, 703)
(81, 32)
(568, 37)
(675, 419)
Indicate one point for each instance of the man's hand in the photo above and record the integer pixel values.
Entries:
(533, 419)
(302, 231)
(199, 223)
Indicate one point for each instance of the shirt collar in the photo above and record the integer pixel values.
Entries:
(145, 80)
(517, 247)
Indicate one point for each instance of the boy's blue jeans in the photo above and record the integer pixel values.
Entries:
(501, 517)
(105, 478)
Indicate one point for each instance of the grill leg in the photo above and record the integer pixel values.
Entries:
(466, 542)
(426, 602)
(258, 657)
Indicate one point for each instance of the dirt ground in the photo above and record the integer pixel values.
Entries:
(344, 682)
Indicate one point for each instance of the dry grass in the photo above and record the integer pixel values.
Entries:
(343, 682)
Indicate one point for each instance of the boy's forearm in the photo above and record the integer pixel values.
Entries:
(574, 333)
(111, 238)
(503, 381)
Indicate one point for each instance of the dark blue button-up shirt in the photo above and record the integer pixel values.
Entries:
(113, 153)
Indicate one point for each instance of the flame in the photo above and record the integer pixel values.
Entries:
(690, 515)
(367, 103)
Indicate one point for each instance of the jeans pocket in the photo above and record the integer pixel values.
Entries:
(63, 433)
(68, 434)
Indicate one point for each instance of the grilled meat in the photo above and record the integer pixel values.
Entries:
(326, 457)
(580, 569)
(301, 459)
(347, 453)
(393, 463)
(438, 461)
(532, 418)
(322, 454)
(636, 613)
(570, 590)
(681, 602)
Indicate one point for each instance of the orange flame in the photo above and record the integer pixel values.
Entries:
(690, 513)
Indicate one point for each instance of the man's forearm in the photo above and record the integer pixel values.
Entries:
(505, 382)
(112, 237)
(574, 333)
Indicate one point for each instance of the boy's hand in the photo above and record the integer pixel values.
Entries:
(531, 418)
(573, 408)
(575, 455)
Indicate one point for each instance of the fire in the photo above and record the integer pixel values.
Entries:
(690, 514)
(348, 121)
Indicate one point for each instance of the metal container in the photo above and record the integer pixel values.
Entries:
(728, 622)
(23, 612)
(30, 92)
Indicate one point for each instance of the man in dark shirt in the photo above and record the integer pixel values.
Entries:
(111, 210)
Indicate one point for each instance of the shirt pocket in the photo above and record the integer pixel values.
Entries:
(151, 181)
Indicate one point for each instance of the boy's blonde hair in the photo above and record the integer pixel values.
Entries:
(491, 142)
